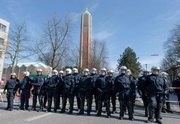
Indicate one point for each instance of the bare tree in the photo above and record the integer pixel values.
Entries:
(53, 46)
(17, 48)
(73, 57)
(99, 55)
(172, 46)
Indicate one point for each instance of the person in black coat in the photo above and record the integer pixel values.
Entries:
(85, 89)
(52, 87)
(110, 79)
(176, 83)
(68, 91)
(94, 93)
(25, 87)
(60, 88)
(156, 89)
(133, 85)
(166, 103)
(104, 89)
(143, 91)
(38, 89)
(76, 91)
(124, 86)
(11, 86)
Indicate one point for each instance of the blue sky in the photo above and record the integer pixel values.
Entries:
(144, 25)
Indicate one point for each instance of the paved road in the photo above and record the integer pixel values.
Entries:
(31, 117)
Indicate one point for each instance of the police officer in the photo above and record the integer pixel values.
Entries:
(85, 89)
(156, 88)
(103, 88)
(76, 79)
(176, 83)
(25, 87)
(60, 88)
(61, 73)
(68, 90)
(52, 88)
(94, 92)
(110, 80)
(123, 86)
(38, 82)
(166, 105)
(11, 87)
(133, 91)
(143, 91)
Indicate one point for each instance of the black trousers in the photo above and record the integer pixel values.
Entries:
(59, 94)
(10, 98)
(113, 100)
(166, 105)
(69, 96)
(178, 96)
(37, 95)
(25, 95)
(145, 102)
(125, 102)
(155, 107)
(76, 92)
(94, 93)
(52, 94)
(104, 97)
(133, 98)
(84, 95)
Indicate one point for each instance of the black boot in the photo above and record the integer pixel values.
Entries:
(159, 121)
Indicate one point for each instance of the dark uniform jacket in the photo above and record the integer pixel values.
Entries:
(176, 83)
(102, 85)
(122, 83)
(155, 84)
(85, 84)
(110, 80)
(25, 84)
(93, 79)
(38, 81)
(141, 85)
(76, 80)
(53, 82)
(12, 84)
(68, 84)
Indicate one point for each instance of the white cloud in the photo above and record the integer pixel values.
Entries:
(15, 8)
(172, 17)
(102, 35)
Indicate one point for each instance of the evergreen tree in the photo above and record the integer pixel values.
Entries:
(129, 59)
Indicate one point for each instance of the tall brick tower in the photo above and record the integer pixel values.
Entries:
(86, 37)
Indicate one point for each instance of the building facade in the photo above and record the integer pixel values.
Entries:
(85, 39)
(20, 68)
(4, 30)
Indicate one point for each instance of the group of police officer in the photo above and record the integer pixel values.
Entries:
(90, 86)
